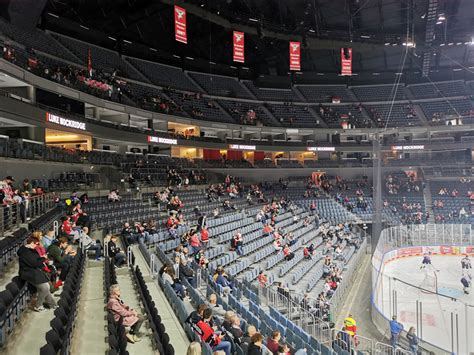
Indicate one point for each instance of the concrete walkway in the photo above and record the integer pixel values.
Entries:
(178, 337)
(90, 333)
(358, 302)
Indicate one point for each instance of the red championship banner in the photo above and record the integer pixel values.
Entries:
(346, 61)
(239, 47)
(180, 24)
(295, 56)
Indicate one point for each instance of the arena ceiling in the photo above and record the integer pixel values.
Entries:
(442, 32)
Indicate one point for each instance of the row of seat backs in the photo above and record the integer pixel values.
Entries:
(58, 338)
(160, 338)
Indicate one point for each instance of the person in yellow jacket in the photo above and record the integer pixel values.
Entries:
(350, 325)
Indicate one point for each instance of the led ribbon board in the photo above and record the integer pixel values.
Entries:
(65, 122)
(152, 139)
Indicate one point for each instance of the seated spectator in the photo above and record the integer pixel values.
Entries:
(30, 270)
(194, 348)
(90, 244)
(287, 253)
(62, 255)
(273, 342)
(306, 253)
(262, 279)
(246, 339)
(329, 287)
(237, 242)
(256, 345)
(130, 317)
(79, 217)
(84, 198)
(128, 234)
(172, 225)
(267, 230)
(290, 239)
(48, 238)
(217, 309)
(141, 232)
(235, 332)
(115, 252)
(284, 349)
(68, 228)
(208, 335)
(295, 219)
(201, 259)
(277, 245)
(223, 282)
(338, 253)
(185, 272)
(227, 323)
(169, 277)
(195, 316)
(114, 196)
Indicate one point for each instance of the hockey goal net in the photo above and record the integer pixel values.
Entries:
(430, 282)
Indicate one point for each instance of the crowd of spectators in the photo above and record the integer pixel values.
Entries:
(409, 184)
(345, 119)
(458, 212)
(12, 196)
(45, 259)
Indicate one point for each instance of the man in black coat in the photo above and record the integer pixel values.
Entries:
(31, 265)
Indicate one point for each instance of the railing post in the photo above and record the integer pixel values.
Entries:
(18, 215)
(106, 247)
(152, 266)
(129, 256)
(198, 278)
(470, 234)
(56, 228)
(2, 222)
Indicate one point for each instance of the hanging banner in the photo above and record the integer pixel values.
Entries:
(295, 56)
(239, 47)
(180, 24)
(346, 61)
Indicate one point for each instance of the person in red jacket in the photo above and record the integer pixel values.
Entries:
(194, 242)
(273, 342)
(287, 253)
(262, 279)
(67, 228)
(306, 253)
(204, 238)
(208, 335)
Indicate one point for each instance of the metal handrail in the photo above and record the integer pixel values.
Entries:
(11, 216)
(314, 326)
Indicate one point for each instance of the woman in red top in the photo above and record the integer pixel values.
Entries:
(208, 335)
(67, 228)
(262, 279)
(49, 270)
(306, 253)
(194, 242)
(287, 253)
(267, 230)
(204, 237)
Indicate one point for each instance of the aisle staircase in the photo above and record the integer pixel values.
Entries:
(428, 201)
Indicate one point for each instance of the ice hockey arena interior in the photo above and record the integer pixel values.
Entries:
(237, 177)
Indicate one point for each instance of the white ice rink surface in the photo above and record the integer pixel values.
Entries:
(436, 310)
